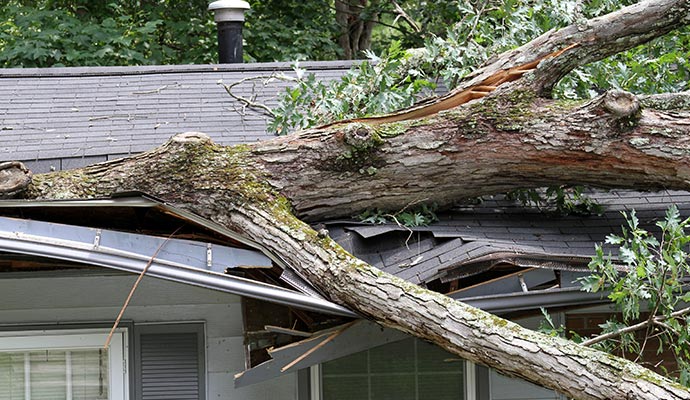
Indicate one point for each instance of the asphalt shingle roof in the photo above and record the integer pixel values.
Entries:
(498, 226)
(70, 117)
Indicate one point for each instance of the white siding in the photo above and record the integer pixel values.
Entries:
(92, 299)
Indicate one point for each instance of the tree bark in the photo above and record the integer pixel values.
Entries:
(511, 138)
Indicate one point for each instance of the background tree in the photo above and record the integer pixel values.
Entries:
(53, 33)
(278, 30)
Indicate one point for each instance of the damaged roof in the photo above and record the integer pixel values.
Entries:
(68, 117)
(472, 239)
(205, 261)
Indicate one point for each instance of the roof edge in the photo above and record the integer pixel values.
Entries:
(61, 72)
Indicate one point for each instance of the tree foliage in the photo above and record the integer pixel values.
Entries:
(291, 30)
(51, 33)
(373, 87)
(648, 281)
(483, 29)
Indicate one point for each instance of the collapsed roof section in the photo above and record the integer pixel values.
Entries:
(164, 252)
(498, 256)
(500, 248)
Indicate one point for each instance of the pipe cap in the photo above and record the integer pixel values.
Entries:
(228, 10)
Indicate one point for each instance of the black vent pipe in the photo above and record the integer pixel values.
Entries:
(229, 17)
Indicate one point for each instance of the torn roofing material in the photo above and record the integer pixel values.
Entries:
(210, 276)
(133, 253)
(318, 348)
(499, 231)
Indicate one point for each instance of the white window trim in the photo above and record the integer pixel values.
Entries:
(118, 353)
(315, 382)
(470, 377)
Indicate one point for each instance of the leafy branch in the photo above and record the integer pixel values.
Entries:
(652, 274)
(421, 215)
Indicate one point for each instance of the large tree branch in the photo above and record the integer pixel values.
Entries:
(596, 39)
(510, 138)
(220, 184)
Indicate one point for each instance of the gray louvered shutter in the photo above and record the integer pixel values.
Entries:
(170, 363)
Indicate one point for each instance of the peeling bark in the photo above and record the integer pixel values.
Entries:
(512, 138)
(14, 179)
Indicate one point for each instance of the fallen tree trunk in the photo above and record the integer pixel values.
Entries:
(509, 138)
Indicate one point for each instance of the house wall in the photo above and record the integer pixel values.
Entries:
(27, 299)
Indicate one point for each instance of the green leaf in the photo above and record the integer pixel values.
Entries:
(627, 255)
(614, 239)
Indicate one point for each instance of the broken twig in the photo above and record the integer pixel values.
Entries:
(134, 288)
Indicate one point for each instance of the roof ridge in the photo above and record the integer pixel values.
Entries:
(61, 72)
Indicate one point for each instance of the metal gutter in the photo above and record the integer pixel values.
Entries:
(44, 239)
(133, 200)
(520, 301)
(143, 200)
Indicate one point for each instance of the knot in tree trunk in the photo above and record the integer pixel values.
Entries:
(361, 136)
(14, 179)
(621, 104)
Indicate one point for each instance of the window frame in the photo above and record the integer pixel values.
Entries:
(313, 375)
(68, 339)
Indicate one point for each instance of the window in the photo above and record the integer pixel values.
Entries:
(406, 370)
(56, 365)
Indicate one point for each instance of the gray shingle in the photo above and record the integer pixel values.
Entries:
(71, 163)
(473, 232)
(138, 106)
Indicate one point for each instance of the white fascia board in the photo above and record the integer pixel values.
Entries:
(133, 252)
